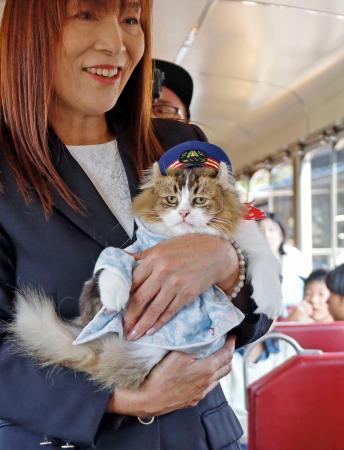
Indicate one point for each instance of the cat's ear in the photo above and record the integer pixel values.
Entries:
(151, 175)
(156, 171)
(222, 175)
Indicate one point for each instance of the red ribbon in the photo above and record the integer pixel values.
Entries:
(253, 213)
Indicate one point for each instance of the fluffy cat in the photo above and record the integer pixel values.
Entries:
(197, 200)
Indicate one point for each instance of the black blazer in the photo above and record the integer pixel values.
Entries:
(58, 255)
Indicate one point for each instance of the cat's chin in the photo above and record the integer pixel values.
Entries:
(179, 229)
(165, 230)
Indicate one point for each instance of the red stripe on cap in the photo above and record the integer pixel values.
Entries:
(175, 165)
(212, 160)
(214, 164)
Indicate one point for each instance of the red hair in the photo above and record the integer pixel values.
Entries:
(30, 33)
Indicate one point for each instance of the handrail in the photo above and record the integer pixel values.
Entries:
(272, 335)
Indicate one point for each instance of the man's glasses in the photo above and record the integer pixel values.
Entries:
(167, 111)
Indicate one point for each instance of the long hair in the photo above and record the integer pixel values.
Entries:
(278, 221)
(30, 34)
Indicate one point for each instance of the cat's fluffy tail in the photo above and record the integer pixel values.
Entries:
(38, 332)
(263, 269)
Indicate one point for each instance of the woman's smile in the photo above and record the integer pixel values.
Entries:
(104, 73)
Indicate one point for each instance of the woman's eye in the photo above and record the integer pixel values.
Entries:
(84, 15)
(200, 200)
(131, 20)
(171, 199)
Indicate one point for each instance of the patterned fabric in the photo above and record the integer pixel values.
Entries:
(198, 327)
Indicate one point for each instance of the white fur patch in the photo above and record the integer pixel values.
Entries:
(114, 290)
(263, 268)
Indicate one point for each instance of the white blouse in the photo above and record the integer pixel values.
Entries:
(103, 165)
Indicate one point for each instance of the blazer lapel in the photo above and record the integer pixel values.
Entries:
(97, 221)
(126, 150)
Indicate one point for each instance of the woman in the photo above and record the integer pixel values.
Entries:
(294, 265)
(79, 74)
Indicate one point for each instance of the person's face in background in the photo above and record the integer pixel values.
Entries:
(317, 295)
(98, 54)
(169, 106)
(336, 306)
(273, 234)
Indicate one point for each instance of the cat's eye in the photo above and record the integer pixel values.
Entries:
(172, 199)
(200, 200)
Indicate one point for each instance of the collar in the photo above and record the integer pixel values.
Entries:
(144, 233)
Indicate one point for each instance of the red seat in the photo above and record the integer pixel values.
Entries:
(328, 337)
(299, 405)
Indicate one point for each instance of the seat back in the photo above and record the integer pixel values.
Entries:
(299, 405)
(328, 337)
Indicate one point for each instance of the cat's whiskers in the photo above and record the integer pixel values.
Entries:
(221, 209)
(220, 224)
(147, 212)
(221, 221)
(219, 228)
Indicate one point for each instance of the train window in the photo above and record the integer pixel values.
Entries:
(339, 217)
(321, 170)
(281, 183)
(259, 189)
(272, 190)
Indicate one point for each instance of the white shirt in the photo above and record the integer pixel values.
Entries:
(103, 165)
(294, 268)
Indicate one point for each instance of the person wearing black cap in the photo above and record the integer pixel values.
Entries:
(172, 91)
(335, 284)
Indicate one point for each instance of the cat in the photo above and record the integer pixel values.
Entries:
(193, 200)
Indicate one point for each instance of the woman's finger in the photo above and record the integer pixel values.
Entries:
(210, 388)
(141, 272)
(222, 371)
(150, 315)
(139, 302)
(141, 255)
(223, 356)
(166, 315)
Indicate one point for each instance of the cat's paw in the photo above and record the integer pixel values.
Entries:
(114, 290)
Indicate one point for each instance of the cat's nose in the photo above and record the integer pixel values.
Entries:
(184, 212)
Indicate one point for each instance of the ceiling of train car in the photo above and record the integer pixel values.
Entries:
(266, 73)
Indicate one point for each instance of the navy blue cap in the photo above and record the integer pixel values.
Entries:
(193, 154)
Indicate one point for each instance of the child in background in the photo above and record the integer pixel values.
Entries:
(335, 284)
(314, 307)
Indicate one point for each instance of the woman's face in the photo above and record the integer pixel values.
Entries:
(336, 306)
(272, 232)
(317, 295)
(98, 54)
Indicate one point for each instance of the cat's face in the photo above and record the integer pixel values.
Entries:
(197, 200)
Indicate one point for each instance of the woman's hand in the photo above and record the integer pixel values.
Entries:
(172, 274)
(178, 381)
